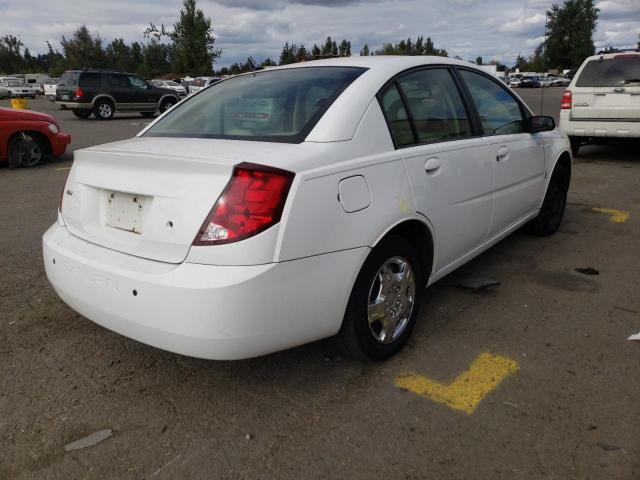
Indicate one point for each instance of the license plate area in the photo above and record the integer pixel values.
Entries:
(125, 211)
(66, 97)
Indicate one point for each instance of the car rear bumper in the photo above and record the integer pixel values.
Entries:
(59, 143)
(598, 128)
(214, 312)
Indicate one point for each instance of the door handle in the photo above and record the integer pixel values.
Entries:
(503, 154)
(432, 165)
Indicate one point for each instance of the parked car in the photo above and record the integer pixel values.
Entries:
(547, 81)
(171, 85)
(514, 82)
(603, 100)
(202, 82)
(27, 137)
(104, 92)
(49, 88)
(532, 81)
(19, 89)
(561, 82)
(296, 203)
(4, 92)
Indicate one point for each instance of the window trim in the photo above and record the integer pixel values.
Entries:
(524, 111)
(476, 130)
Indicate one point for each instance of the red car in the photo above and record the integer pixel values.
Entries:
(27, 137)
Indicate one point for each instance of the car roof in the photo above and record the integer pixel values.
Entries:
(607, 56)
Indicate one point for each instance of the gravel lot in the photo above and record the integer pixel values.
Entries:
(570, 411)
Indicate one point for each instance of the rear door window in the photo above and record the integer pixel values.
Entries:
(396, 116)
(611, 72)
(90, 80)
(435, 105)
(500, 113)
(118, 81)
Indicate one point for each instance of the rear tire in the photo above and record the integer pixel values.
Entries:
(553, 206)
(80, 113)
(103, 110)
(575, 145)
(384, 302)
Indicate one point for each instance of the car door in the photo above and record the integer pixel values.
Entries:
(517, 155)
(449, 170)
(118, 88)
(142, 97)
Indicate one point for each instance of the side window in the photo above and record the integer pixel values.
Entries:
(137, 82)
(117, 81)
(499, 112)
(397, 117)
(436, 105)
(90, 80)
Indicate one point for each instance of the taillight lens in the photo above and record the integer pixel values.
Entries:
(566, 100)
(251, 202)
(78, 93)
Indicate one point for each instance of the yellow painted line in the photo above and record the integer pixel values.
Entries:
(467, 391)
(617, 216)
(62, 168)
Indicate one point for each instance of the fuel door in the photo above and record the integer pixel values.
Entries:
(353, 194)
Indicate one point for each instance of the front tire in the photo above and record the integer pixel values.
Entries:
(384, 302)
(548, 220)
(25, 151)
(103, 110)
(167, 104)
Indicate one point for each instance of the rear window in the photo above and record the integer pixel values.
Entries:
(610, 72)
(271, 106)
(70, 79)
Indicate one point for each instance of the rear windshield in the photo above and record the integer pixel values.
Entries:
(271, 106)
(69, 78)
(610, 72)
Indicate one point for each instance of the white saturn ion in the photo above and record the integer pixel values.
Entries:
(292, 204)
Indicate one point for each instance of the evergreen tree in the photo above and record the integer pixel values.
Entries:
(569, 31)
(364, 52)
(84, 50)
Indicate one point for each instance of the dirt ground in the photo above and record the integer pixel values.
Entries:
(569, 410)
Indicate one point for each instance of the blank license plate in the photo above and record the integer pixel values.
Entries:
(125, 211)
(66, 97)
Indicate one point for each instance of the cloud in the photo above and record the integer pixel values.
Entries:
(493, 29)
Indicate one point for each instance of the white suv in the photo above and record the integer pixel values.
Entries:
(603, 99)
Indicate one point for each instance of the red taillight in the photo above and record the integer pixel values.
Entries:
(566, 100)
(251, 202)
(78, 93)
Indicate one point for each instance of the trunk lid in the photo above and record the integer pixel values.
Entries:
(136, 198)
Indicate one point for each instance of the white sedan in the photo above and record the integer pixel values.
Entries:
(292, 204)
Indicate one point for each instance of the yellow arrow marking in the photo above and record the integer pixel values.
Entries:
(617, 216)
(467, 391)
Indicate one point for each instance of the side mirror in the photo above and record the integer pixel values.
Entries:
(538, 123)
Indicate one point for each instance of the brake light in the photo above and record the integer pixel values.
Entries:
(251, 202)
(566, 100)
(78, 93)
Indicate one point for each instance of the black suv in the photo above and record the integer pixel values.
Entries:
(103, 92)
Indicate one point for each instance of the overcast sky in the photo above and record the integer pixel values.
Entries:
(493, 29)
